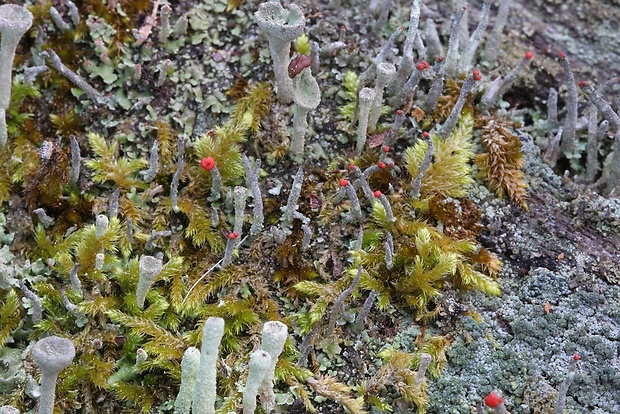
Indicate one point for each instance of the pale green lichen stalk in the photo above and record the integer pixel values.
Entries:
(189, 372)
(52, 355)
(307, 96)
(14, 23)
(282, 27)
(205, 390)
(272, 341)
(149, 267)
(260, 363)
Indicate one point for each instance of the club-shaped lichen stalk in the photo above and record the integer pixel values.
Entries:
(307, 97)
(273, 338)
(282, 27)
(385, 74)
(14, 22)
(406, 62)
(189, 370)
(52, 355)
(366, 97)
(260, 362)
(205, 387)
(149, 267)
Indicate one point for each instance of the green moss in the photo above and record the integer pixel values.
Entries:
(302, 45)
(450, 173)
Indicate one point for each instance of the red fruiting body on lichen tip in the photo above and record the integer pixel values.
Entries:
(576, 357)
(425, 134)
(233, 235)
(381, 165)
(386, 149)
(582, 84)
(377, 194)
(351, 167)
(207, 163)
(440, 59)
(421, 66)
(493, 400)
(529, 55)
(476, 72)
(400, 112)
(562, 55)
(343, 182)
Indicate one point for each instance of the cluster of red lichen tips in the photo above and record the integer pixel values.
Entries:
(422, 65)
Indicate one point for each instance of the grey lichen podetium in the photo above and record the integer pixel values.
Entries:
(174, 185)
(37, 305)
(150, 267)
(613, 175)
(14, 23)
(386, 72)
(467, 55)
(560, 403)
(189, 370)
(307, 96)
(572, 108)
(432, 98)
(446, 129)
(102, 224)
(282, 27)
(552, 111)
(366, 97)
(77, 80)
(76, 159)
(406, 63)
(434, 48)
(416, 185)
(408, 88)
(339, 302)
(371, 70)
(52, 355)
(273, 337)
(452, 56)
(205, 391)
(260, 362)
(251, 180)
(240, 196)
(389, 250)
(291, 205)
(366, 307)
(489, 54)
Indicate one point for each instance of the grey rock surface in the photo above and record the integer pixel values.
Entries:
(560, 297)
